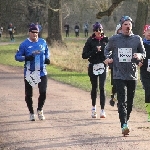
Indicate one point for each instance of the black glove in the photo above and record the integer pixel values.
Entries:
(29, 58)
(47, 61)
(138, 61)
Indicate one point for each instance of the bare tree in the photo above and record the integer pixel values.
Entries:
(141, 19)
(23, 12)
(142, 13)
(9, 13)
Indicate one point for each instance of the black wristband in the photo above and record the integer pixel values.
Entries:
(47, 61)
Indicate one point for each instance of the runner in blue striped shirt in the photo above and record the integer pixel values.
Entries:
(35, 52)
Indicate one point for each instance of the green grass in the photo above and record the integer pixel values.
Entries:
(7, 53)
(74, 78)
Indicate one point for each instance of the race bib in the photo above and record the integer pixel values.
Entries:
(148, 67)
(76, 30)
(33, 78)
(98, 68)
(125, 54)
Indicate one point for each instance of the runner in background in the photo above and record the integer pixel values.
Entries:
(11, 30)
(145, 69)
(86, 29)
(113, 89)
(66, 27)
(1, 32)
(76, 30)
(93, 50)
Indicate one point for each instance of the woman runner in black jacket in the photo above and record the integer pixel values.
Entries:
(94, 52)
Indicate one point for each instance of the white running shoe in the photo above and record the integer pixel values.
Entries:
(102, 114)
(94, 115)
(32, 117)
(40, 115)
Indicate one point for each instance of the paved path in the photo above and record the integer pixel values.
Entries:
(68, 125)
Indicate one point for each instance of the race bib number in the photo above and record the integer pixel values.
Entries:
(125, 54)
(76, 30)
(148, 67)
(98, 68)
(33, 78)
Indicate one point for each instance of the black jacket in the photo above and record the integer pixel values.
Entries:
(91, 52)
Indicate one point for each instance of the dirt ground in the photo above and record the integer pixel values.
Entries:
(68, 124)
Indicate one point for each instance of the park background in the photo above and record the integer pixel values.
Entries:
(67, 64)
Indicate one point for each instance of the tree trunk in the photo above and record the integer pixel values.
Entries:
(54, 22)
(142, 13)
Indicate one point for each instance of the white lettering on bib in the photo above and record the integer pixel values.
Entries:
(125, 54)
(98, 68)
(33, 78)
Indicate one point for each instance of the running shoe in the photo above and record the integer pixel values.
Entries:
(94, 115)
(125, 129)
(102, 114)
(32, 117)
(40, 115)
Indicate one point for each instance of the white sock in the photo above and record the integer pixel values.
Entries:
(94, 107)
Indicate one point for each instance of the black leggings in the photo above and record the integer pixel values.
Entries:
(67, 33)
(11, 35)
(86, 33)
(76, 34)
(114, 88)
(125, 95)
(146, 86)
(42, 94)
(94, 83)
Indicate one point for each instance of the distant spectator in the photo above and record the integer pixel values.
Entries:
(11, 30)
(39, 29)
(76, 30)
(1, 31)
(66, 27)
(86, 29)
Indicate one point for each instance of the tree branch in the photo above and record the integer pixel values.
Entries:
(109, 11)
